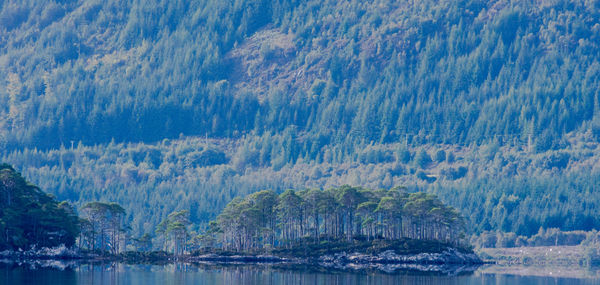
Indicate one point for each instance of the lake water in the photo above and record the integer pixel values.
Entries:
(116, 273)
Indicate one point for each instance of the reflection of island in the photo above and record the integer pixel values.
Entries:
(416, 269)
(33, 264)
(95, 267)
(183, 273)
(38, 272)
(448, 261)
(76, 272)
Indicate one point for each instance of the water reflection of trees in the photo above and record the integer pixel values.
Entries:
(37, 272)
(100, 273)
(206, 273)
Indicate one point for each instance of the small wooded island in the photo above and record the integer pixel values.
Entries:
(330, 227)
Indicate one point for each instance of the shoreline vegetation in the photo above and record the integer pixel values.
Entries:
(332, 228)
(406, 251)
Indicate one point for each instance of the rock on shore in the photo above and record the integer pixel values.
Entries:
(59, 252)
(390, 261)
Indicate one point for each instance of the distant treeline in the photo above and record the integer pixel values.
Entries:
(523, 204)
(544, 237)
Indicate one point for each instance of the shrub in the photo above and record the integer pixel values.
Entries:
(422, 159)
(423, 176)
(440, 156)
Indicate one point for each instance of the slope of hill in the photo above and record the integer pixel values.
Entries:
(494, 187)
(454, 72)
(307, 94)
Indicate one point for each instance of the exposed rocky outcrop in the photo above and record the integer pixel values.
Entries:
(59, 252)
(449, 256)
(450, 260)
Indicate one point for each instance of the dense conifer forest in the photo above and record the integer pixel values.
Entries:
(168, 106)
(29, 217)
(449, 72)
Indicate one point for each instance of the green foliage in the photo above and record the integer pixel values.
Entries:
(403, 155)
(143, 243)
(274, 87)
(450, 158)
(137, 257)
(375, 155)
(103, 227)
(455, 173)
(30, 217)
(423, 176)
(456, 72)
(591, 252)
(175, 229)
(544, 237)
(153, 180)
(422, 159)
(567, 202)
(263, 221)
(317, 87)
(440, 155)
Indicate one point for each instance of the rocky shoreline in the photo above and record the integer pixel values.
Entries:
(450, 259)
(57, 253)
(448, 256)
(388, 261)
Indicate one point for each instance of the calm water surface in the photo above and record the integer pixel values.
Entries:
(116, 273)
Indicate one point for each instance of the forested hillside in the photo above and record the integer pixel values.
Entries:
(455, 71)
(492, 105)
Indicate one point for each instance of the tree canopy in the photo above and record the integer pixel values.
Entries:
(265, 220)
(117, 99)
(31, 218)
(456, 72)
